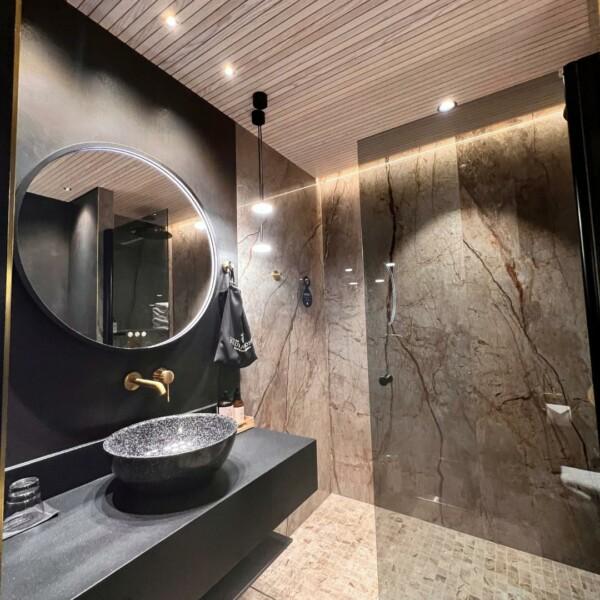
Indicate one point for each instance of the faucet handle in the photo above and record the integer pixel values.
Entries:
(166, 377)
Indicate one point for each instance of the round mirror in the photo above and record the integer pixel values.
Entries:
(115, 247)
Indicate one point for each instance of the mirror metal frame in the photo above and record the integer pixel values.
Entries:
(183, 187)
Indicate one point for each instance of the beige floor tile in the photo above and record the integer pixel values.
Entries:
(350, 550)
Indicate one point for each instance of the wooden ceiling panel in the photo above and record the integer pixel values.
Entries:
(337, 71)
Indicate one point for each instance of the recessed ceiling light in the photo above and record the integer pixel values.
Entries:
(390, 264)
(353, 283)
(67, 188)
(348, 270)
(171, 21)
(262, 248)
(379, 280)
(229, 71)
(262, 208)
(446, 105)
(200, 225)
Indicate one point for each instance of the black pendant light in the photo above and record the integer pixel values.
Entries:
(260, 103)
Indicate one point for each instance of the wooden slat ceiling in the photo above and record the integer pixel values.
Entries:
(337, 71)
(138, 188)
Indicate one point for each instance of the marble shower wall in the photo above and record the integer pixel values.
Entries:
(490, 326)
(286, 389)
(346, 339)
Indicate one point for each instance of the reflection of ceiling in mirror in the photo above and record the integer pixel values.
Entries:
(139, 189)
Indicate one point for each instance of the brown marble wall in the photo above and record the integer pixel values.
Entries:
(489, 326)
(346, 339)
(287, 387)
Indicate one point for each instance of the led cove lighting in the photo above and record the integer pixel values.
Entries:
(229, 71)
(446, 105)
(411, 155)
(262, 208)
(262, 248)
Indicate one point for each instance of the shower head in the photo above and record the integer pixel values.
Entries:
(149, 231)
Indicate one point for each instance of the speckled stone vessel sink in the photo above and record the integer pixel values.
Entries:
(171, 453)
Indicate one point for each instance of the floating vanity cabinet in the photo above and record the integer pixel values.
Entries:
(107, 543)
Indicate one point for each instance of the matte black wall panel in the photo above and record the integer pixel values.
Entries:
(45, 229)
(80, 84)
(83, 264)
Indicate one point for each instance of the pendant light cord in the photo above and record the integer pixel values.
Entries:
(261, 186)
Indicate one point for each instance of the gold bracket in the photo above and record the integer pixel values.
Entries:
(130, 383)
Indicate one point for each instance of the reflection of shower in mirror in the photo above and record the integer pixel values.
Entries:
(128, 249)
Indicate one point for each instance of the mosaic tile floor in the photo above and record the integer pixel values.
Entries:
(334, 556)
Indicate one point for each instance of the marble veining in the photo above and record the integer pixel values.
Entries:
(490, 327)
(286, 389)
(346, 340)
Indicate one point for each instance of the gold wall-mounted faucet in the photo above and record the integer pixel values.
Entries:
(161, 381)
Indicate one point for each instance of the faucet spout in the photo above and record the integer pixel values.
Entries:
(134, 380)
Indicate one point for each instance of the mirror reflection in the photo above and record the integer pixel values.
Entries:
(115, 247)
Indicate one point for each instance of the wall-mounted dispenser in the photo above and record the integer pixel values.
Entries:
(307, 298)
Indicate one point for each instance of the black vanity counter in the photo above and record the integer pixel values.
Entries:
(107, 544)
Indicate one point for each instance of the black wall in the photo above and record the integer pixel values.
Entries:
(45, 227)
(79, 84)
(83, 265)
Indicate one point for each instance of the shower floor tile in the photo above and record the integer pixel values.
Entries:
(335, 555)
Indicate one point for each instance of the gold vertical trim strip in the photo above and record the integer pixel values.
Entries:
(9, 258)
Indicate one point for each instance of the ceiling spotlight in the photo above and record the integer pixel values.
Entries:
(229, 71)
(379, 280)
(67, 188)
(262, 208)
(171, 21)
(348, 270)
(200, 225)
(446, 105)
(353, 283)
(262, 248)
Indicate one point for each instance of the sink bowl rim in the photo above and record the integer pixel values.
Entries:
(209, 416)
